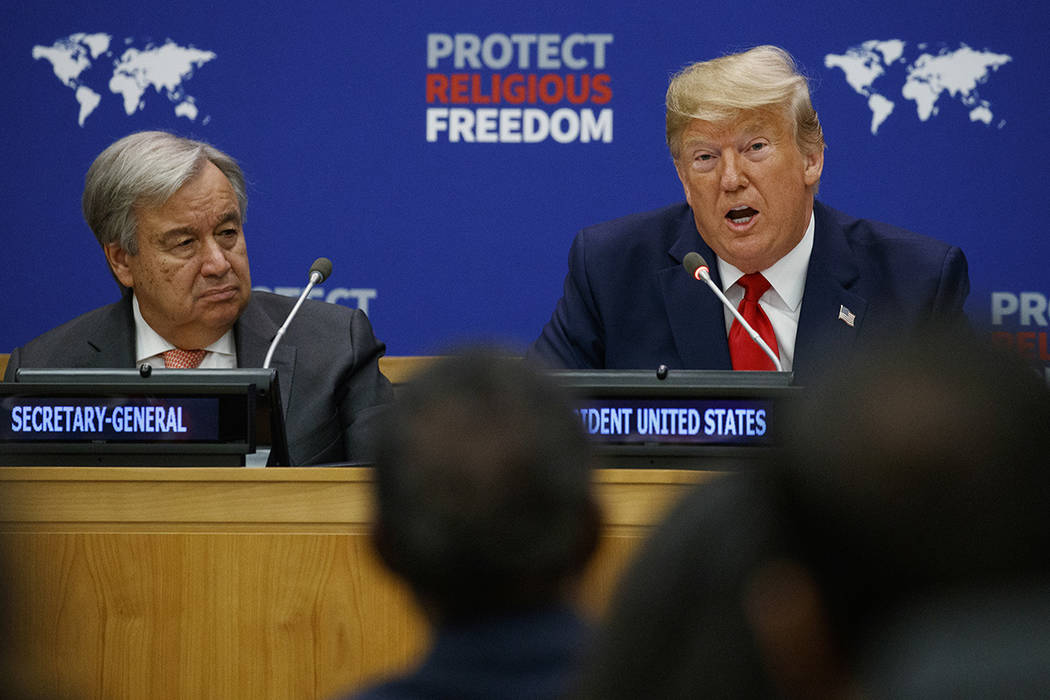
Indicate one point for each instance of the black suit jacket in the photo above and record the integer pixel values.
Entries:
(327, 364)
(528, 656)
(629, 304)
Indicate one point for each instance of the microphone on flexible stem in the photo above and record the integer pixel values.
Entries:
(319, 272)
(697, 268)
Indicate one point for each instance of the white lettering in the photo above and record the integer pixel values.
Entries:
(486, 125)
(693, 424)
(336, 295)
(592, 129)
(437, 121)
(535, 126)
(1033, 309)
(523, 42)
(461, 125)
(506, 51)
(497, 51)
(466, 51)
(547, 52)
(438, 46)
(567, 132)
(600, 41)
(1003, 304)
(567, 56)
(361, 296)
(512, 125)
(100, 417)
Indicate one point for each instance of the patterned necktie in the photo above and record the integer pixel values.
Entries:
(183, 359)
(746, 353)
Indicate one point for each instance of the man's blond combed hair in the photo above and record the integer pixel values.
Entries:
(762, 79)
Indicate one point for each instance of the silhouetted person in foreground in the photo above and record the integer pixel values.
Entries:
(900, 549)
(485, 509)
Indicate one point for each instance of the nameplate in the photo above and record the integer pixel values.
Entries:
(67, 418)
(689, 419)
(681, 421)
(114, 424)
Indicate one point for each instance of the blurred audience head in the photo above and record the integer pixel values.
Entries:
(485, 503)
(676, 627)
(905, 525)
(919, 475)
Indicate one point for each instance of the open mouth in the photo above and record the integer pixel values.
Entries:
(740, 215)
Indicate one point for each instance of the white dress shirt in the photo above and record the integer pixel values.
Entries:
(150, 346)
(782, 302)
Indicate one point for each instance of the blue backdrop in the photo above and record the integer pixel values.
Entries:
(444, 154)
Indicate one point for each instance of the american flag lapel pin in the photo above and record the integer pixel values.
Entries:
(847, 316)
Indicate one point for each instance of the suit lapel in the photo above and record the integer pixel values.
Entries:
(822, 334)
(693, 311)
(254, 331)
(112, 340)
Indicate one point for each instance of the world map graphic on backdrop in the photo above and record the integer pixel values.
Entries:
(165, 68)
(923, 79)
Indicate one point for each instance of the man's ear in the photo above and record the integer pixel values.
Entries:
(814, 167)
(117, 258)
(793, 634)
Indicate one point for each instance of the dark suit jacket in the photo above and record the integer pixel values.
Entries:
(327, 363)
(532, 656)
(629, 304)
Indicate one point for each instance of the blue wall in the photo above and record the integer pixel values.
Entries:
(326, 106)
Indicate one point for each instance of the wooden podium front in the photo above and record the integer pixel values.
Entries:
(228, 583)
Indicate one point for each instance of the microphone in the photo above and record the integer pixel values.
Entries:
(319, 272)
(697, 268)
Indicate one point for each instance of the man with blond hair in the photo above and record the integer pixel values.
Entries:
(749, 150)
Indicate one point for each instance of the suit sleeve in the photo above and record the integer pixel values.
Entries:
(365, 392)
(13, 364)
(953, 288)
(574, 338)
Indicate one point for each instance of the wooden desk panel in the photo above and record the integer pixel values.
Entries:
(229, 583)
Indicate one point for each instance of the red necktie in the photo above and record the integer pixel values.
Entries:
(183, 359)
(746, 353)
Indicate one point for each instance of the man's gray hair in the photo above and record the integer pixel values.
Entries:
(146, 169)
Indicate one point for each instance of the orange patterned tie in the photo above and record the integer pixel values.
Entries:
(183, 359)
(746, 353)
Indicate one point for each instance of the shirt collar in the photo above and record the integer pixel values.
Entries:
(786, 276)
(149, 343)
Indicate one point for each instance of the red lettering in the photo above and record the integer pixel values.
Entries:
(518, 88)
(496, 78)
(577, 97)
(1003, 339)
(437, 88)
(552, 89)
(601, 91)
(460, 89)
(514, 89)
(476, 96)
(1026, 344)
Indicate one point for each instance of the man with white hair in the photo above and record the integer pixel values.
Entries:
(169, 215)
(749, 150)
